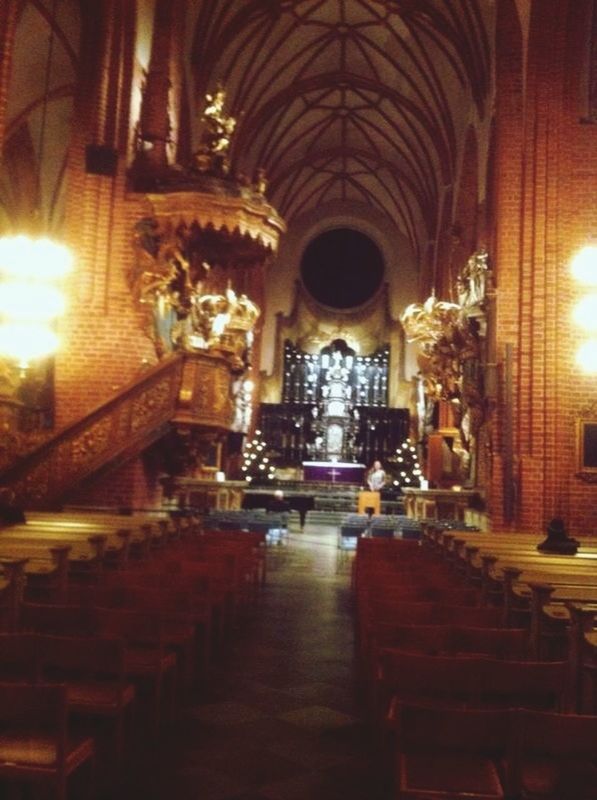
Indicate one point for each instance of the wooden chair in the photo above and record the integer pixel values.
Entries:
(181, 609)
(94, 673)
(426, 680)
(557, 757)
(423, 639)
(506, 643)
(59, 620)
(36, 745)
(448, 640)
(147, 659)
(469, 616)
(525, 684)
(450, 753)
(19, 660)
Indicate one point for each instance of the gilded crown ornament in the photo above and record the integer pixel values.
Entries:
(226, 322)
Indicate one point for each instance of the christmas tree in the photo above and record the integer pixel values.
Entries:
(404, 467)
(257, 467)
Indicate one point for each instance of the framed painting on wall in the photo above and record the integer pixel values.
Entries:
(586, 449)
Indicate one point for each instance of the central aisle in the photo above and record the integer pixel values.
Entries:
(278, 721)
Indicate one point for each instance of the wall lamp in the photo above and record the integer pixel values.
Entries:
(31, 270)
(584, 314)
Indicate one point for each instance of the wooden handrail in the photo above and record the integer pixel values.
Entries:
(191, 388)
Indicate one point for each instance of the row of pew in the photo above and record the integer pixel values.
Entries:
(94, 660)
(555, 596)
(454, 691)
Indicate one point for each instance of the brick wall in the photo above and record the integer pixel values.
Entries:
(544, 180)
(134, 485)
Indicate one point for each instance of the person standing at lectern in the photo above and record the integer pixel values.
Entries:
(376, 477)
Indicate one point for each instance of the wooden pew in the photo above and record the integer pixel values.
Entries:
(583, 656)
(44, 568)
(13, 586)
(538, 585)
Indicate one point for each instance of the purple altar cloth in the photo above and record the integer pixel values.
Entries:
(333, 472)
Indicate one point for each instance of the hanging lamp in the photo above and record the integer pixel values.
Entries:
(31, 271)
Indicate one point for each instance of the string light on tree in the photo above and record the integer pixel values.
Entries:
(256, 466)
(404, 465)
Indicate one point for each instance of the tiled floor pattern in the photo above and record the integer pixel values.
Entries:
(278, 720)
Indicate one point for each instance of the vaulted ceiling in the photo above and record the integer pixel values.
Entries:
(342, 102)
(349, 100)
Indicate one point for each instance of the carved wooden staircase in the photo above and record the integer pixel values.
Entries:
(191, 389)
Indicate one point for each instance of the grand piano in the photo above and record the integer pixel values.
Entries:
(273, 502)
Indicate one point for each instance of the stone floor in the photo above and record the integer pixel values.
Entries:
(278, 720)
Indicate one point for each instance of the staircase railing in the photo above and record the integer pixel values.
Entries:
(127, 423)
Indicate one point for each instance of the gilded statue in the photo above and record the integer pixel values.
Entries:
(447, 339)
(216, 136)
(227, 322)
(471, 284)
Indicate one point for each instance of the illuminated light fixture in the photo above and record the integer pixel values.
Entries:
(30, 298)
(26, 342)
(584, 265)
(36, 260)
(30, 268)
(585, 313)
(586, 356)
(30, 303)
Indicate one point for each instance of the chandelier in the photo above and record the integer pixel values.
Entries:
(31, 270)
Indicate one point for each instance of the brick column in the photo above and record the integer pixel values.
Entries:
(154, 127)
(103, 347)
(8, 24)
(506, 182)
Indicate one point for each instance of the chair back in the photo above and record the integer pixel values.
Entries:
(19, 657)
(506, 643)
(525, 684)
(469, 616)
(415, 677)
(36, 711)
(64, 658)
(423, 639)
(59, 620)
(424, 728)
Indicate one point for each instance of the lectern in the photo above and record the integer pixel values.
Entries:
(369, 500)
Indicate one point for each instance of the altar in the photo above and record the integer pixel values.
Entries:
(438, 503)
(333, 472)
(206, 494)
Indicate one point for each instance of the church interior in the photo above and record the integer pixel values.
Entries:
(298, 399)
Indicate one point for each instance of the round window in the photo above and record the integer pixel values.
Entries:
(342, 268)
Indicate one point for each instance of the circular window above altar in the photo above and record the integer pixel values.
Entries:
(342, 268)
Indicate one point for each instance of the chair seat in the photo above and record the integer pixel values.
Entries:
(37, 750)
(142, 661)
(423, 774)
(25, 748)
(104, 696)
(552, 779)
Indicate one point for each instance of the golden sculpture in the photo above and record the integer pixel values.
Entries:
(427, 323)
(447, 340)
(218, 127)
(471, 283)
(163, 284)
(226, 323)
